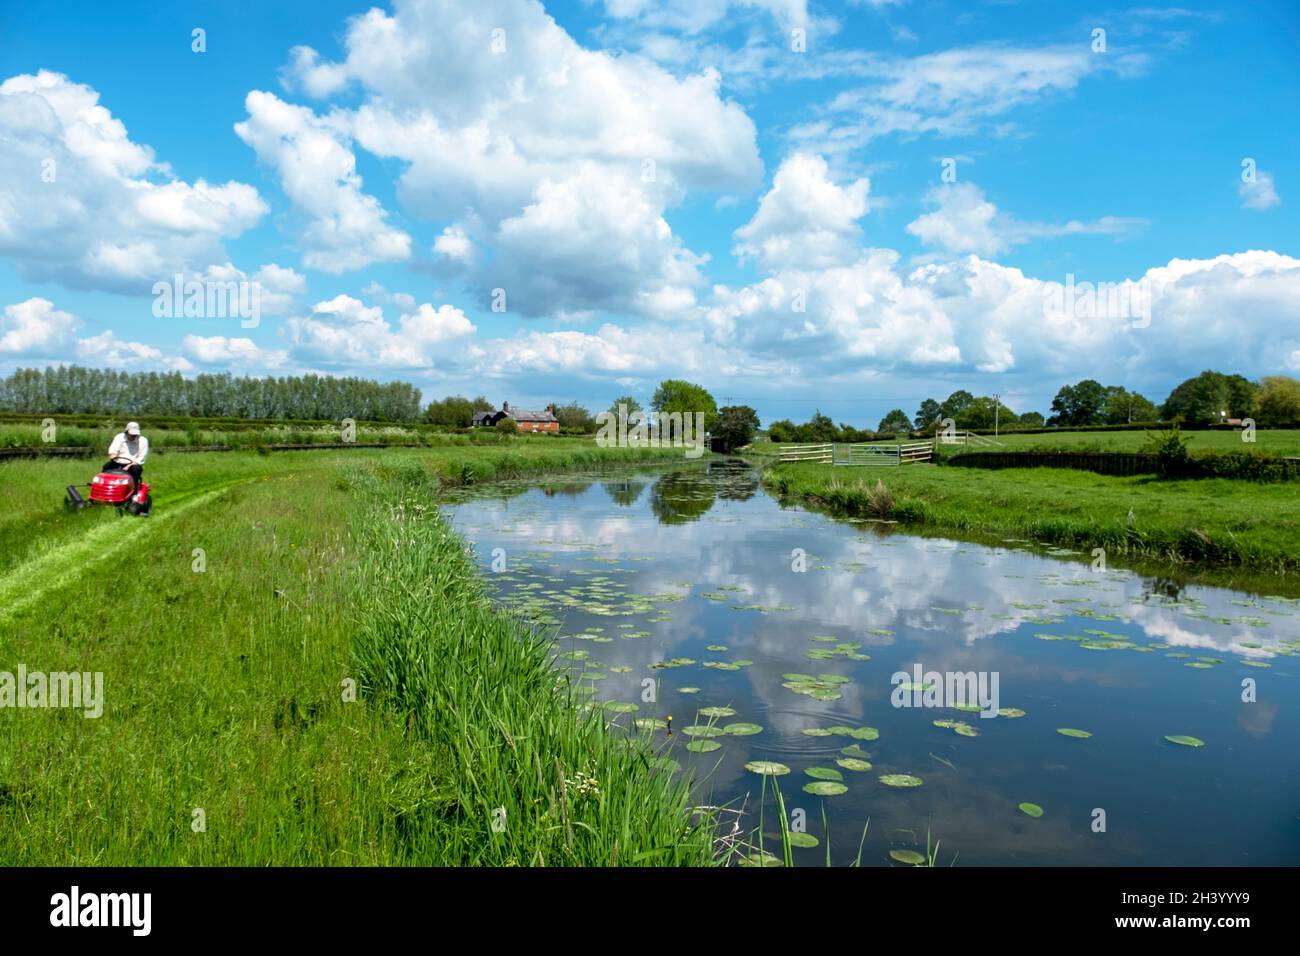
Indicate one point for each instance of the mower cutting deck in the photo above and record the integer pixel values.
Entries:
(114, 487)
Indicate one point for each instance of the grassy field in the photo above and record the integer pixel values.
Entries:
(1278, 441)
(1213, 523)
(229, 628)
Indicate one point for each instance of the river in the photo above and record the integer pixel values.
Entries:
(794, 624)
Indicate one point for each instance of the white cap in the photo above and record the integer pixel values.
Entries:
(133, 428)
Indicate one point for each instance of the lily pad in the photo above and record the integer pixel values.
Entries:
(804, 841)
(703, 746)
(901, 780)
(1184, 740)
(717, 712)
(702, 730)
(910, 857)
(853, 763)
(1031, 809)
(824, 773)
(742, 729)
(621, 707)
(1071, 732)
(769, 768)
(825, 788)
(816, 732)
(1010, 712)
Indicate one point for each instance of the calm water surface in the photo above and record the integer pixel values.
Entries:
(698, 570)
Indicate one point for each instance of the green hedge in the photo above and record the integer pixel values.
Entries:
(1237, 465)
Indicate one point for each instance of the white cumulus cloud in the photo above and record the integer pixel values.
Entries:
(805, 220)
(346, 228)
(84, 205)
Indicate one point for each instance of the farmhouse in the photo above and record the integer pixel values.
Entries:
(543, 421)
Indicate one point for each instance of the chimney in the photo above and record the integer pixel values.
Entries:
(505, 406)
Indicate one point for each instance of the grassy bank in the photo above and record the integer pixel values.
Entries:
(33, 522)
(229, 633)
(1268, 441)
(1273, 441)
(1211, 523)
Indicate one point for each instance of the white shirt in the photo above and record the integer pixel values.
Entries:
(123, 446)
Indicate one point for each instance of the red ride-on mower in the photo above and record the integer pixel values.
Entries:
(114, 486)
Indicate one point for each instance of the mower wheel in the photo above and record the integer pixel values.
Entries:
(141, 510)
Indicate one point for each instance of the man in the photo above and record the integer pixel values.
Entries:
(128, 452)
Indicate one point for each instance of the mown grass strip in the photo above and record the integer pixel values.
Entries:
(225, 691)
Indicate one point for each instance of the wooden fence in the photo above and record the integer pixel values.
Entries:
(859, 454)
(915, 451)
(817, 453)
(968, 438)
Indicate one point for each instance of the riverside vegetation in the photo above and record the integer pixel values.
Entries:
(1206, 523)
(228, 627)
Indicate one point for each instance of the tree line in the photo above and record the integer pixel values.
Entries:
(1211, 396)
(72, 390)
(1204, 399)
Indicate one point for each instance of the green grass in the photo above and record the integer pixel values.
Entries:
(26, 434)
(1279, 441)
(1215, 523)
(33, 521)
(225, 690)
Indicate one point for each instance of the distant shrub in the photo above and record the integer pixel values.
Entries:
(1173, 460)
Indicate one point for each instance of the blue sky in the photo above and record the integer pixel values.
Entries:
(746, 194)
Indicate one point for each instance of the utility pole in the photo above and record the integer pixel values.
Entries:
(997, 405)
